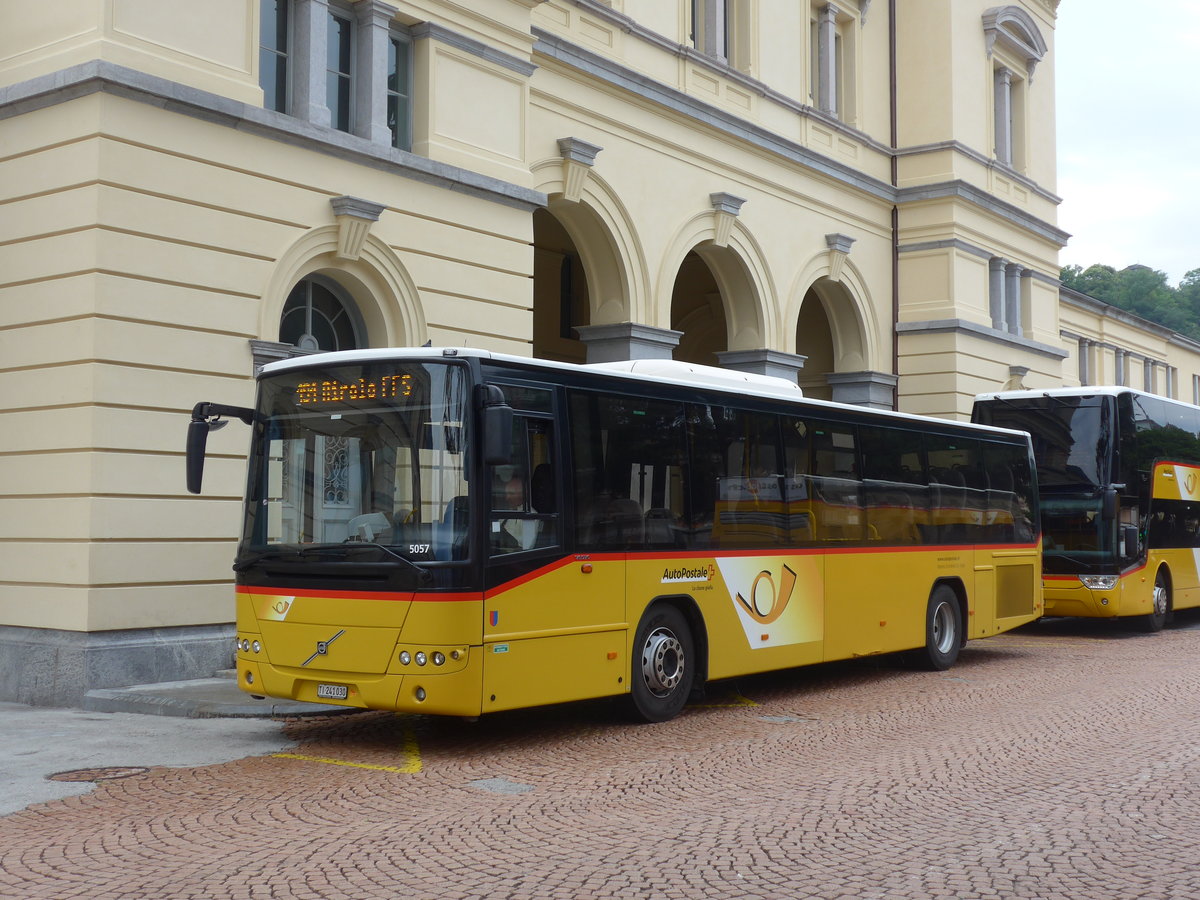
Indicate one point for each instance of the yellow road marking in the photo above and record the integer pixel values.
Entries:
(724, 701)
(410, 749)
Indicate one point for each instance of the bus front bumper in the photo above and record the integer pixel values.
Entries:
(445, 693)
(1066, 595)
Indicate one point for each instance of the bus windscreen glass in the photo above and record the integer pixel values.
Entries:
(1072, 437)
(370, 454)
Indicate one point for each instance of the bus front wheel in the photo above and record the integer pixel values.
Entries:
(1160, 613)
(943, 631)
(664, 665)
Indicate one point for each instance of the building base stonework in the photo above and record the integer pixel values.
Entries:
(49, 667)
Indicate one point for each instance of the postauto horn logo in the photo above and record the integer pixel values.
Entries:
(767, 605)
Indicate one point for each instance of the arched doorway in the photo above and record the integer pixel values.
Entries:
(814, 340)
(561, 300)
(697, 310)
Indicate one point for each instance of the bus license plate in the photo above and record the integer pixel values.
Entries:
(333, 691)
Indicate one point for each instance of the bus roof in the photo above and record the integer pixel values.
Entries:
(653, 371)
(1087, 391)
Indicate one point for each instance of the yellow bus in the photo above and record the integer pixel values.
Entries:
(1119, 476)
(457, 532)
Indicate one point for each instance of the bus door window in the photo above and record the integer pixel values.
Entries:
(836, 487)
(628, 469)
(524, 500)
(736, 483)
(894, 491)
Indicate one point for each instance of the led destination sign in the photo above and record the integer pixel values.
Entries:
(384, 387)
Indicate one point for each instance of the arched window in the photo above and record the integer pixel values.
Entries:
(319, 316)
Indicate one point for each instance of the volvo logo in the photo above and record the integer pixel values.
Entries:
(322, 648)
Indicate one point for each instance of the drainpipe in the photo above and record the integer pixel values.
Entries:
(895, 206)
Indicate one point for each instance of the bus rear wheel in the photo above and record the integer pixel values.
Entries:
(1160, 614)
(663, 665)
(943, 631)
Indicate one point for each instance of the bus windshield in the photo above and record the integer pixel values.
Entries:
(1072, 436)
(361, 461)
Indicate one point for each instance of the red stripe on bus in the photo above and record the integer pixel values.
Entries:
(392, 596)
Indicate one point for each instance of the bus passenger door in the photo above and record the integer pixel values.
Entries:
(554, 619)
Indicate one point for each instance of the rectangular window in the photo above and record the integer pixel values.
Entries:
(399, 90)
(338, 68)
(628, 470)
(958, 489)
(894, 490)
(832, 52)
(736, 478)
(836, 489)
(273, 45)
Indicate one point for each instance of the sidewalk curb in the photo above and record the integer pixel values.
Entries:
(203, 698)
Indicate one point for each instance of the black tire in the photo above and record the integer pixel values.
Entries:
(1163, 610)
(664, 665)
(943, 631)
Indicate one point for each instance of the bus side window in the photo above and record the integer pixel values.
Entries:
(736, 492)
(836, 487)
(798, 490)
(894, 492)
(1010, 503)
(628, 464)
(958, 488)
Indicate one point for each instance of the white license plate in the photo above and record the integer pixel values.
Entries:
(333, 691)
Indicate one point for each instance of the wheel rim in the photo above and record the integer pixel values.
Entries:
(662, 662)
(1160, 598)
(943, 628)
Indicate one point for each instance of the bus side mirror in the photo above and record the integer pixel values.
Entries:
(1109, 508)
(206, 417)
(497, 427)
(197, 441)
(1129, 542)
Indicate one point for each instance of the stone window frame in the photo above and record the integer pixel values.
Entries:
(834, 51)
(274, 53)
(1015, 46)
(372, 27)
(401, 130)
(724, 31)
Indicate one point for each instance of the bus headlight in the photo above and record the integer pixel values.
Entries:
(405, 657)
(439, 658)
(1099, 582)
(256, 646)
(421, 660)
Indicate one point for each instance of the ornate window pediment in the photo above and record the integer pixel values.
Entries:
(1015, 32)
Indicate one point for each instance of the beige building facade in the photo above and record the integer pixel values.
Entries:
(858, 194)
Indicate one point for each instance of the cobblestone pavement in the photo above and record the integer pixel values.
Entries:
(1055, 762)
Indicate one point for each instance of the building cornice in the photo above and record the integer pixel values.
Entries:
(721, 70)
(1081, 301)
(987, 162)
(974, 329)
(605, 70)
(476, 48)
(963, 190)
(99, 76)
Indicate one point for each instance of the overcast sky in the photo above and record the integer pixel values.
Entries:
(1128, 102)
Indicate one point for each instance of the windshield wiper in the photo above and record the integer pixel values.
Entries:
(333, 550)
(426, 575)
